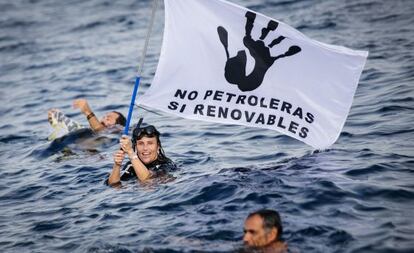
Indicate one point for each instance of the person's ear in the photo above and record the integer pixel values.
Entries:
(272, 235)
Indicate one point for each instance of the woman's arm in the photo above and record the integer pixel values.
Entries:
(115, 176)
(140, 169)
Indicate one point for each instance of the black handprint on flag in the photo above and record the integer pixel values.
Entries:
(235, 69)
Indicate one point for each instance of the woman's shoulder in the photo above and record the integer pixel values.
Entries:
(165, 164)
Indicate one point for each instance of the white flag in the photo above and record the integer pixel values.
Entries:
(223, 63)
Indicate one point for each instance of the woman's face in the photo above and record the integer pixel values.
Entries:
(147, 149)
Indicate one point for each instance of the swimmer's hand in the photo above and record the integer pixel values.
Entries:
(119, 157)
(126, 145)
(82, 105)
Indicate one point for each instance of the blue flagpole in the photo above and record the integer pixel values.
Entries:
(131, 106)
(140, 67)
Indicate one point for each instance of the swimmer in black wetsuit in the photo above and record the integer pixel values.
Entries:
(147, 158)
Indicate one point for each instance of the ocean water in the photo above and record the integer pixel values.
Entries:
(357, 196)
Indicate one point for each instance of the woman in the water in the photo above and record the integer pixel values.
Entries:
(147, 158)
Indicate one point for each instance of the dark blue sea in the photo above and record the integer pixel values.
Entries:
(357, 196)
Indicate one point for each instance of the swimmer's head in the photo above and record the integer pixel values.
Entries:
(262, 228)
(113, 118)
(146, 142)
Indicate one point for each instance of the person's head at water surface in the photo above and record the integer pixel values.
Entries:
(264, 229)
(146, 143)
(113, 118)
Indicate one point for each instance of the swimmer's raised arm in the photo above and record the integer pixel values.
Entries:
(84, 107)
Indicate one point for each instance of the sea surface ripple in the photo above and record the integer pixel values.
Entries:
(357, 196)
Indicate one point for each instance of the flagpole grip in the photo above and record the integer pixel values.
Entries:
(131, 106)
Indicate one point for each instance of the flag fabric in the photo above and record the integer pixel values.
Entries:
(224, 63)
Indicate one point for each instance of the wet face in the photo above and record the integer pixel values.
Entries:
(147, 149)
(255, 235)
(109, 119)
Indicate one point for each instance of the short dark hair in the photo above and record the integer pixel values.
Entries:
(271, 219)
(121, 119)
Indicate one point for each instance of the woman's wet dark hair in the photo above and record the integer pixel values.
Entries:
(148, 131)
